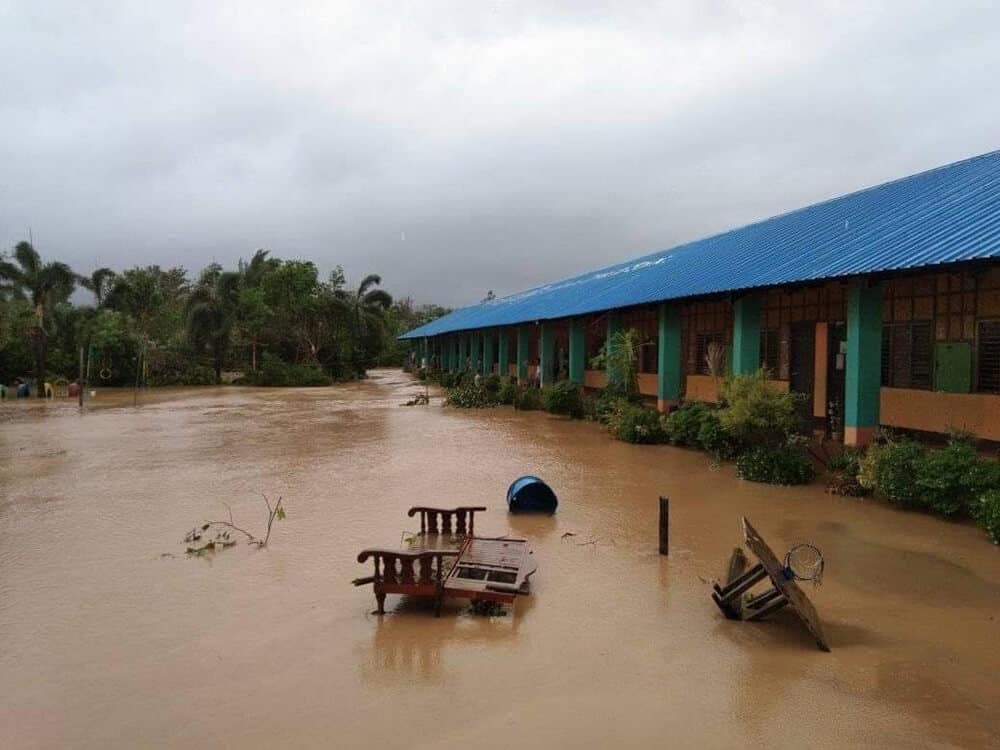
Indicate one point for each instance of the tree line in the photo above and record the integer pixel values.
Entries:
(276, 321)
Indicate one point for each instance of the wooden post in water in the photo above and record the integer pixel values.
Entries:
(664, 525)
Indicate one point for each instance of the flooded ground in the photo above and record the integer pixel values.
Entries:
(105, 641)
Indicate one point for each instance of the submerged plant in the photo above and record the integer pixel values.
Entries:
(215, 535)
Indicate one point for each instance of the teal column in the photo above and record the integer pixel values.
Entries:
(577, 350)
(864, 362)
(487, 353)
(546, 355)
(503, 356)
(746, 335)
(522, 354)
(454, 354)
(669, 359)
(463, 356)
(614, 326)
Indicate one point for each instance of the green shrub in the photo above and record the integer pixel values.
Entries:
(846, 460)
(983, 477)
(447, 380)
(508, 392)
(684, 424)
(987, 513)
(563, 398)
(491, 383)
(757, 413)
(172, 368)
(600, 408)
(275, 372)
(471, 396)
(787, 464)
(845, 467)
(635, 424)
(529, 399)
(713, 438)
(894, 472)
(940, 476)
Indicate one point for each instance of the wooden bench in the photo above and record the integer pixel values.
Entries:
(411, 573)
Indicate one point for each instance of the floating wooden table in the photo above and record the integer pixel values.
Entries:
(445, 560)
(784, 592)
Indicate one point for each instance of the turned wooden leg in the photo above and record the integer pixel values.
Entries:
(380, 598)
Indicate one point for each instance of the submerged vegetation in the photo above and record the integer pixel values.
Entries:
(276, 322)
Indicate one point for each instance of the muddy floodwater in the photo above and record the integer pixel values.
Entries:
(111, 637)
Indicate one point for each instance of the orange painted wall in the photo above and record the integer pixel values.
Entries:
(702, 388)
(595, 378)
(933, 411)
(647, 383)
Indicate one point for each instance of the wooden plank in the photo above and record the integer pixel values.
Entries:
(787, 586)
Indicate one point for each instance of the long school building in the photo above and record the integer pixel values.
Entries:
(882, 307)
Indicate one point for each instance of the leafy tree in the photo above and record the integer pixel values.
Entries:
(210, 313)
(44, 285)
(154, 300)
(366, 307)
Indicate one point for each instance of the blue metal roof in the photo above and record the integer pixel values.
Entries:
(945, 215)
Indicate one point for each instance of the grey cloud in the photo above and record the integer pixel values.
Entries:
(459, 147)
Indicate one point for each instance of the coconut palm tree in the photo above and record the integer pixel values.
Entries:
(45, 285)
(100, 282)
(366, 309)
(210, 313)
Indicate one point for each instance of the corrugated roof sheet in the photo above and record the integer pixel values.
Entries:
(945, 215)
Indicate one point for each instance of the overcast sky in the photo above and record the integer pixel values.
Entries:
(459, 147)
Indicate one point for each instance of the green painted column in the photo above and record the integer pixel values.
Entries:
(463, 355)
(614, 326)
(670, 362)
(523, 345)
(864, 362)
(746, 335)
(577, 350)
(453, 354)
(546, 355)
(503, 356)
(487, 353)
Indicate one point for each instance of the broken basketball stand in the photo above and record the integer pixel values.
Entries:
(735, 605)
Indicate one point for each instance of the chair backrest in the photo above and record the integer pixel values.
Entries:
(461, 520)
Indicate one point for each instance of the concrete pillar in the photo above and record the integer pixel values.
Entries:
(523, 345)
(864, 362)
(487, 352)
(577, 350)
(503, 356)
(746, 335)
(546, 355)
(669, 366)
(614, 326)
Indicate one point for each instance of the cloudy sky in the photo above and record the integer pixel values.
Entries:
(459, 147)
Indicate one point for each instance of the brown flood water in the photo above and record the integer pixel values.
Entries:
(104, 642)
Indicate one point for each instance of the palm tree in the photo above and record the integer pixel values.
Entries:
(45, 285)
(366, 308)
(210, 312)
(253, 311)
(100, 282)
